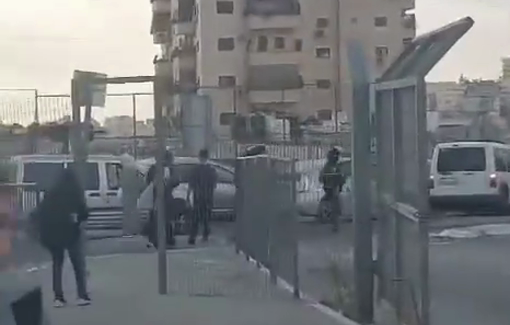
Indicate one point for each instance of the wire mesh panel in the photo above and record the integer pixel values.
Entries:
(266, 215)
(403, 239)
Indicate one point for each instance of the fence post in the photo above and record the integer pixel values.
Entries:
(135, 140)
(295, 249)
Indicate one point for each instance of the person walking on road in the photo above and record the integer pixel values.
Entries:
(332, 181)
(202, 183)
(60, 217)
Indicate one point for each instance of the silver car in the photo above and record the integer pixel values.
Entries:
(225, 190)
(308, 186)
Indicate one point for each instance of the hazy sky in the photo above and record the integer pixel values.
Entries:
(42, 41)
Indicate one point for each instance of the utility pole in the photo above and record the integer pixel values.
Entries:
(337, 89)
(361, 143)
(135, 140)
(159, 184)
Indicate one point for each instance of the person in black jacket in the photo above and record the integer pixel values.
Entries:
(202, 183)
(60, 216)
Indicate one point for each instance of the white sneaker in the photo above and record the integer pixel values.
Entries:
(57, 303)
(83, 302)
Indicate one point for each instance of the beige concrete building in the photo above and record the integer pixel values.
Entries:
(283, 56)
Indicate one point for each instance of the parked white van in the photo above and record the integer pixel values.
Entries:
(470, 175)
(102, 185)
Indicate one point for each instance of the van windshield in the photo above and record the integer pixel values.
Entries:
(461, 160)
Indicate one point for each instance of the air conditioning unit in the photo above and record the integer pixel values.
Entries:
(319, 33)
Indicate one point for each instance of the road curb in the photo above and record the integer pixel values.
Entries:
(337, 316)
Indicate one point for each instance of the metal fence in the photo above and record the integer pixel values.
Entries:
(399, 104)
(266, 217)
(16, 245)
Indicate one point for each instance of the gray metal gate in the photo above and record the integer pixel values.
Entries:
(398, 102)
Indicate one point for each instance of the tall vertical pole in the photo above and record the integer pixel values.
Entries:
(159, 184)
(337, 62)
(363, 260)
(36, 106)
(135, 141)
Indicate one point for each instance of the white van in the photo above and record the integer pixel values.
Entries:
(470, 175)
(102, 187)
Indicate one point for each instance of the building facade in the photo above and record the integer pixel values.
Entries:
(284, 57)
(505, 70)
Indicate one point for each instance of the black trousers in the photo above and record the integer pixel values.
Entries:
(332, 196)
(151, 229)
(201, 215)
(77, 257)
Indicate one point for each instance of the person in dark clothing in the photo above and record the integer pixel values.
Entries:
(59, 217)
(332, 181)
(171, 181)
(202, 183)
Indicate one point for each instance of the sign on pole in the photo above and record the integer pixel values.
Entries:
(90, 91)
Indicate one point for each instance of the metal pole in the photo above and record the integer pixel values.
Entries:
(135, 141)
(337, 63)
(363, 260)
(36, 106)
(159, 185)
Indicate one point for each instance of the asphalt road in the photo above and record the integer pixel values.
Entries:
(470, 278)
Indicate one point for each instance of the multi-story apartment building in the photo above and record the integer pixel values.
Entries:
(287, 57)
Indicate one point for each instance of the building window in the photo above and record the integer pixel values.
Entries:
(227, 118)
(298, 45)
(225, 7)
(381, 53)
(323, 83)
(322, 23)
(226, 44)
(381, 21)
(323, 52)
(406, 41)
(226, 81)
(279, 43)
(262, 44)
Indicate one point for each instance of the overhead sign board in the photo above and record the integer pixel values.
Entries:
(91, 91)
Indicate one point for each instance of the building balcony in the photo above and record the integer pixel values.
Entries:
(274, 22)
(263, 58)
(161, 6)
(272, 8)
(274, 96)
(184, 27)
(185, 48)
(274, 77)
(185, 63)
(161, 38)
(409, 21)
(163, 67)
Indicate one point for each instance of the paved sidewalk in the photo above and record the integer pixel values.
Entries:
(207, 286)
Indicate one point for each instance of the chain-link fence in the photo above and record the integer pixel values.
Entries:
(266, 217)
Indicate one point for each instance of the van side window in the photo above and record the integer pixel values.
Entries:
(92, 179)
(43, 174)
(501, 160)
(113, 175)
